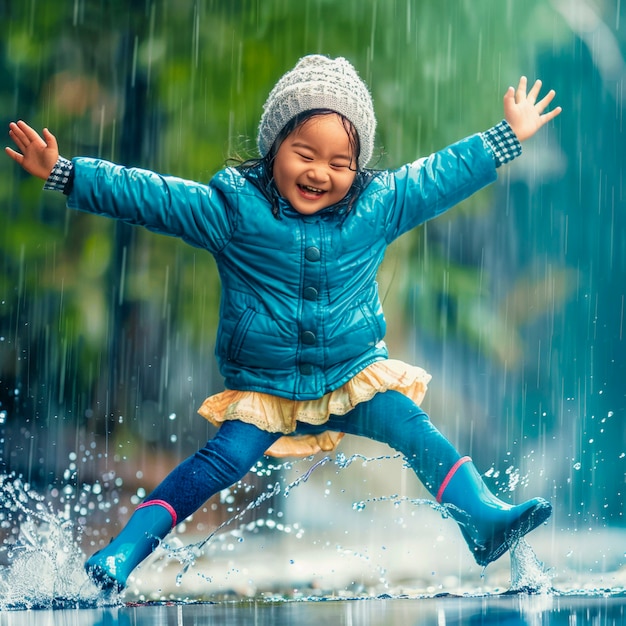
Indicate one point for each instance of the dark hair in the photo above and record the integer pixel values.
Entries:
(260, 171)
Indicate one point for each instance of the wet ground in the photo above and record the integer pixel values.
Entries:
(503, 610)
(368, 571)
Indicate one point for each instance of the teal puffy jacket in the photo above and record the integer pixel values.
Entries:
(300, 312)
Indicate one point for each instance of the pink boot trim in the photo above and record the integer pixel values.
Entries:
(451, 473)
(165, 505)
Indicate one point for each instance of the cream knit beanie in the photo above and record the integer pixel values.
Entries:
(318, 82)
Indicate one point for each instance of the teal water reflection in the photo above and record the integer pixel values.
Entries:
(518, 610)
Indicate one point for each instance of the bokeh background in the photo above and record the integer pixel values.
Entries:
(514, 300)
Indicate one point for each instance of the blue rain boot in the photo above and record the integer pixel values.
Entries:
(489, 525)
(110, 567)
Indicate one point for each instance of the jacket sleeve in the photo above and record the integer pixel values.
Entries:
(426, 188)
(197, 213)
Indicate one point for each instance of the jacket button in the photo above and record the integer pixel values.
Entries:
(308, 338)
(306, 369)
(310, 293)
(312, 254)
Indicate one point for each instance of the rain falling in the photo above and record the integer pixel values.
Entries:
(513, 301)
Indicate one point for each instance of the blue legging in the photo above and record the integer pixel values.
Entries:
(389, 417)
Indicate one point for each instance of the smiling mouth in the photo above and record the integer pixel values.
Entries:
(311, 190)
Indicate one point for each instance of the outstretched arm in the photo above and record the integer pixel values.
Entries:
(37, 154)
(522, 111)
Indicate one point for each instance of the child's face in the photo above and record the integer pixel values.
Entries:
(314, 167)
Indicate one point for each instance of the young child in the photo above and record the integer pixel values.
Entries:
(298, 236)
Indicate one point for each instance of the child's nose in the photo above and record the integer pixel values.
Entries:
(318, 172)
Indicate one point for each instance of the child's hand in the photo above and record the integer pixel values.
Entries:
(37, 155)
(522, 111)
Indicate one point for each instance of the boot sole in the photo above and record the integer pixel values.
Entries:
(499, 545)
(103, 580)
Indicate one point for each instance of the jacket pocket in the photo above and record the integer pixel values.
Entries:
(239, 334)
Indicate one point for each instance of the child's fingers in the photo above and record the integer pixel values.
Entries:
(550, 115)
(520, 93)
(509, 97)
(24, 135)
(50, 139)
(534, 92)
(16, 156)
(18, 142)
(545, 101)
(29, 133)
(17, 135)
(20, 138)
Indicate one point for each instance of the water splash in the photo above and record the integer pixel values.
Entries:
(397, 500)
(528, 573)
(187, 555)
(305, 476)
(43, 561)
(343, 462)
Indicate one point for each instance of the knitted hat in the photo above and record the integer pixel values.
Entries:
(318, 82)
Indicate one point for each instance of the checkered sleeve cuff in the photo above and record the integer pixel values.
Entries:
(503, 142)
(61, 176)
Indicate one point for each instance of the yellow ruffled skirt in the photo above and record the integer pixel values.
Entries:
(276, 414)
